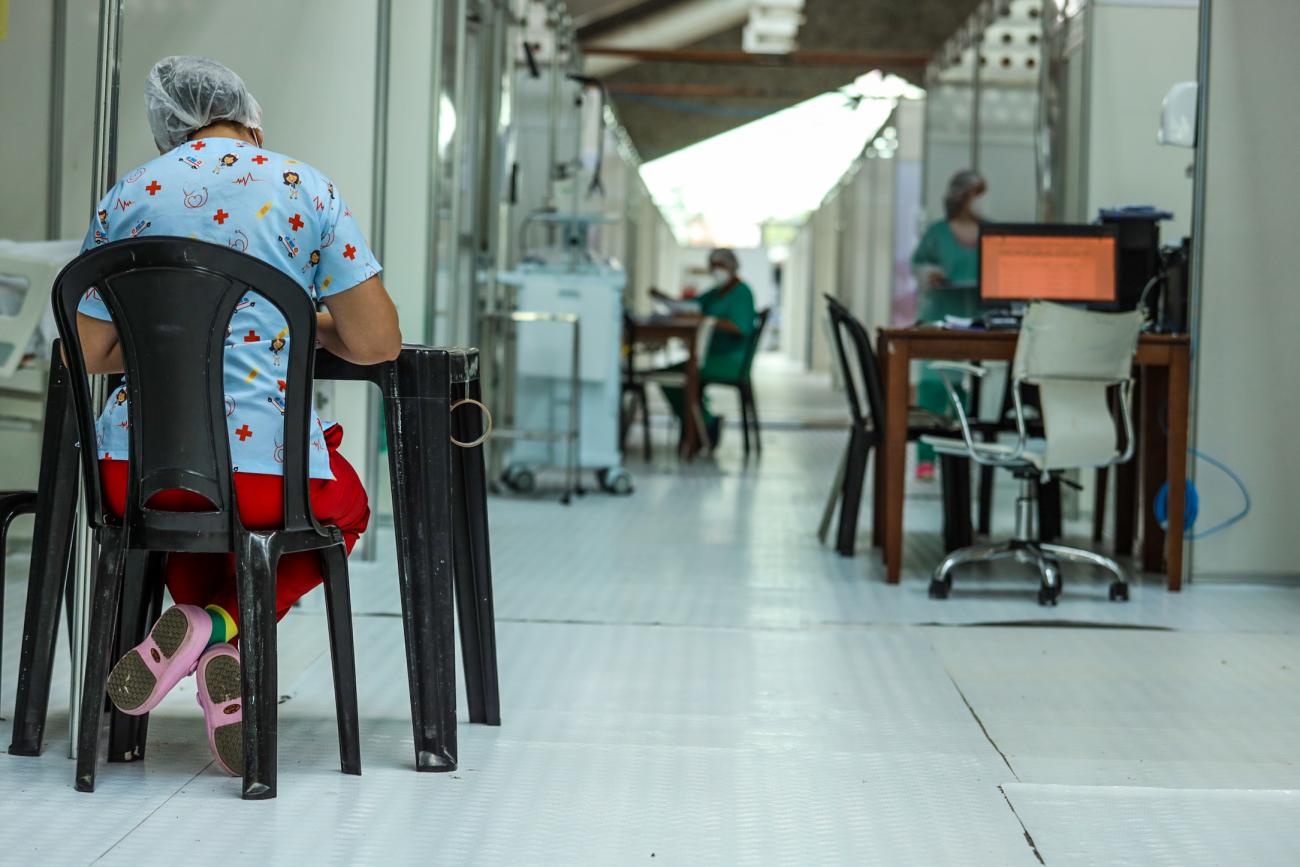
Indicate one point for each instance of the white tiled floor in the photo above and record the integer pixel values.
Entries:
(688, 678)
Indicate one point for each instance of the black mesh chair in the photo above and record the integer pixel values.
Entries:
(862, 380)
(171, 299)
(744, 384)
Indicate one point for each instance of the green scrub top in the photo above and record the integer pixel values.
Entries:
(726, 356)
(940, 248)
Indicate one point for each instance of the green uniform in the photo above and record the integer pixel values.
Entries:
(725, 360)
(940, 248)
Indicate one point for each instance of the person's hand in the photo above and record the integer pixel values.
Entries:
(937, 278)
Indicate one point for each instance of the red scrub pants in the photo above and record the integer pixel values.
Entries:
(209, 579)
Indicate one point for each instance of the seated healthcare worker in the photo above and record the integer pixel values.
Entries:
(214, 181)
(946, 264)
(731, 303)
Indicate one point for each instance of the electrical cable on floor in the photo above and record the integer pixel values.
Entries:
(1192, 499)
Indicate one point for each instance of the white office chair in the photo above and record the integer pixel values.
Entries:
(1078, 360)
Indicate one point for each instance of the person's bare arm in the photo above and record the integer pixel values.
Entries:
(99, 347)
(361, 325)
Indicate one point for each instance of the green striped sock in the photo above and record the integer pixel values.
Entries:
(223, 625)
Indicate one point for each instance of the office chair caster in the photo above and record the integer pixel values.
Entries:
(1119, 591)
(940, 589)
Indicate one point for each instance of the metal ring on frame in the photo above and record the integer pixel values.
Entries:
(487, 413)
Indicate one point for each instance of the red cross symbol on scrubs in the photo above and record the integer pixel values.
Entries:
(153, 188)
(259, 159)
(199, 145)
(251, 337)
(220, 216)
(243, 433)
(349, 252)
(296, 222)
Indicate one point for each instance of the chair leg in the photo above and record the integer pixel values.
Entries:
(472, 567)
(833, 499)
(50, 567)
(141, 596)
(338, 612)
(10, 507)
(744, 418)
(645, 425)
(1099, 504)
(255, 585)
(851, 499)
(103, 616)
(748, 397)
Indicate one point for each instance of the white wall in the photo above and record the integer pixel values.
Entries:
(1247, 408)
(1139, 50)
(25, 119)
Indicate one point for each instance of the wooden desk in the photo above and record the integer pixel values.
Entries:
(1164, 363)
(660, 329)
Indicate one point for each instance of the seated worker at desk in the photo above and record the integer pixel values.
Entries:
(946, 264)
(208, 129)
(731, 303)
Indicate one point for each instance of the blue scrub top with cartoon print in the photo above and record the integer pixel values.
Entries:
(278, 209)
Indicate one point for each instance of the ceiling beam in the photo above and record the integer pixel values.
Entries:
(716, 57)
(626, 14)
(708, 91)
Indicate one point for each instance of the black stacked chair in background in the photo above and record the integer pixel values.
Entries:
(863, 380)
(12, 504)
(169, 296)
(744, 384)
(634, 387)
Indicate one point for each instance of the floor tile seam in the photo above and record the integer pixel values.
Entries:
(1097, 788)
(1033, 847)
(975, 716)
(136, 827)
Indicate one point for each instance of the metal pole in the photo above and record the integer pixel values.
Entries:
(1198, 238)
(433, 205)
(379, 206)
(455, 303)
(54, 187)
(102, 176)
(553, 113)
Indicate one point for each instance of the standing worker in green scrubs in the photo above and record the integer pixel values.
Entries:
(947, 271)
(731, 303)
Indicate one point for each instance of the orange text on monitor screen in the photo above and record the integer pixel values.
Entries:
(1051, 268)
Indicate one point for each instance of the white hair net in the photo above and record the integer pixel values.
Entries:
(183, 94)
(962, 186)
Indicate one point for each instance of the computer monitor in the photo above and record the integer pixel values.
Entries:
(1047, 262)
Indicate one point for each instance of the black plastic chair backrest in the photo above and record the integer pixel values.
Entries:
(867, 373)
(171, 300)
(755, 336)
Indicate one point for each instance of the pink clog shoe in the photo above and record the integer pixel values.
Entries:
(222, 703)
(148, 671)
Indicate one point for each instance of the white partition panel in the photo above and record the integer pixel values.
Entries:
(1247, 411)
(25, 62)
(1139, 49)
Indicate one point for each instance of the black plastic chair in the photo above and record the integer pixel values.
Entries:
(633, 386)
(12, 504)
(171, 299)
(745, 385)
(867, 433)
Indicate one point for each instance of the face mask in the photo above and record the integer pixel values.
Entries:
(721, 276)
(976, 204)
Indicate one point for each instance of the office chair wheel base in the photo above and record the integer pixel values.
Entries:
(1119, 591)
(940, 589)
(1048, 595)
